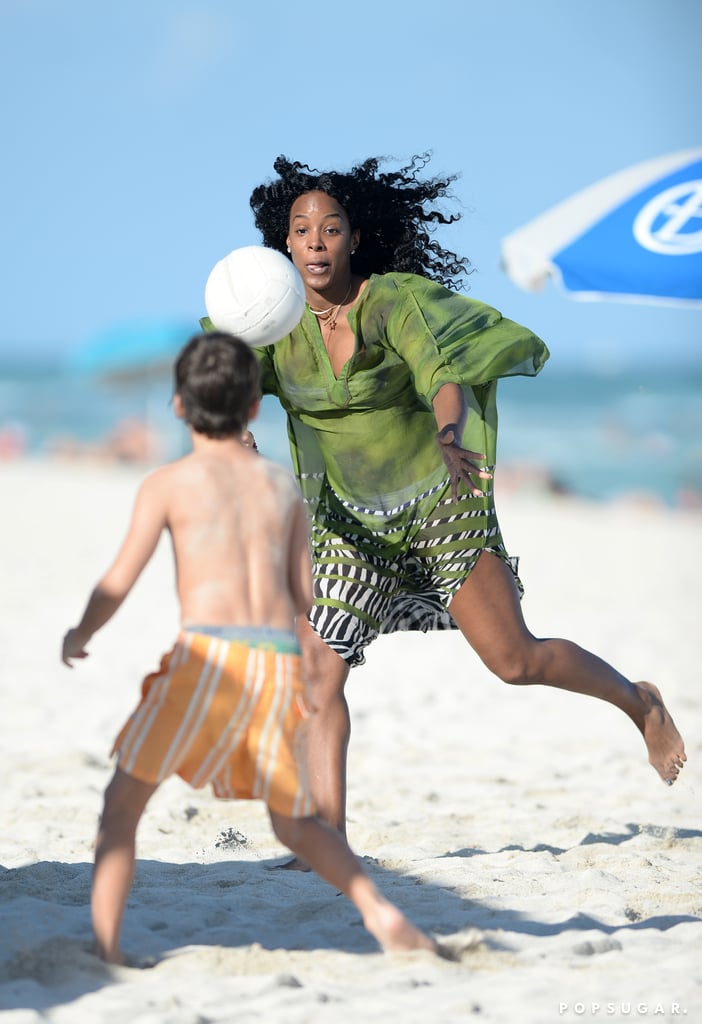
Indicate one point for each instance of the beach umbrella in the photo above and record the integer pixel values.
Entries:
(134, 361)
(634, 236)
(132, 350)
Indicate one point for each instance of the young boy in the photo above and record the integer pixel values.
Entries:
(227, 704)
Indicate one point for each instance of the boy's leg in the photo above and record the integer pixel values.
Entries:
(329, 729)
(327, 852)
(125, 800)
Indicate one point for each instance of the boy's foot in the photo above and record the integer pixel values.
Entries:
(294, 864)
(666, 750)
(395, 933)
(116, 958)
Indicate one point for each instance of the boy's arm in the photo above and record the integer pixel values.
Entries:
(148, 520)
(299, 564)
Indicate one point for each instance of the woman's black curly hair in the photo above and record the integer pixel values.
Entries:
(395, 213)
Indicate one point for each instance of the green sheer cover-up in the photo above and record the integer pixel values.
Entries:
(371, 432)
(365, 441)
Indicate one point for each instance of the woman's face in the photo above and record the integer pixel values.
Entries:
(320, 239)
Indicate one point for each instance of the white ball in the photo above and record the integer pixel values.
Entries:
(256, 294)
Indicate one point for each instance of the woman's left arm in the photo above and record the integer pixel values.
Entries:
(450, 412)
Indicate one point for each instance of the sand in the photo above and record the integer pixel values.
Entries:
(523, 826)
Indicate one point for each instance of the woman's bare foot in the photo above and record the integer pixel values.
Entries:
(394, 932)
(666, 750)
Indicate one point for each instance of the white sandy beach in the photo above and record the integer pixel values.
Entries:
(524, 826)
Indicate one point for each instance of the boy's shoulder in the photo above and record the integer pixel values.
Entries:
(276, 469)
(280, 477)
(189, 467)
(164, 480)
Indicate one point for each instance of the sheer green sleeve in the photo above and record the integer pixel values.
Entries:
(448, 338)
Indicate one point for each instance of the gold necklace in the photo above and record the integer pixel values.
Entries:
(329, 316)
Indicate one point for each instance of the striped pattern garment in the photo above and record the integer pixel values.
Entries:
(225, 713)
(391, 578)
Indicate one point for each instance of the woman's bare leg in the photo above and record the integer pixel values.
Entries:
(327, 852)
(487, 611)
(125, 800)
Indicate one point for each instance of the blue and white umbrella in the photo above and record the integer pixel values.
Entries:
(635, 236)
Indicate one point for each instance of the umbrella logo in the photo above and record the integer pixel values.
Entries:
(663, 224)
(611, 240)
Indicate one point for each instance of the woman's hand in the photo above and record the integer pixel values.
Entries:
(248, 440)
(459, 461)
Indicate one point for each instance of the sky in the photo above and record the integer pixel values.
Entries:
(134, 133)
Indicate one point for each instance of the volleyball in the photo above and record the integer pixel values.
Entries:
(256, 294)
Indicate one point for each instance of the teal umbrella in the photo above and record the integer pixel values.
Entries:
(135, 359)
(132, 349)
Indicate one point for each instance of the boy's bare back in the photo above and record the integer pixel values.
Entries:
(240, 538)
(239, 534)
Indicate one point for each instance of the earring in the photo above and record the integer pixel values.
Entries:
(353, 251)
(289, 249)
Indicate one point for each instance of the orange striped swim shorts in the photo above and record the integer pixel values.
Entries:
(229, 712)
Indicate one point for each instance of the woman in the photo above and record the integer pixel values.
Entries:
(389, 384)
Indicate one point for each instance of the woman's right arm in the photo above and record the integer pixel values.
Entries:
(450, 412)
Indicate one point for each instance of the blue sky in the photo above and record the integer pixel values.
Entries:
(134, 132)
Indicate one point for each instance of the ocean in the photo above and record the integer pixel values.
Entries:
(596, 435)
